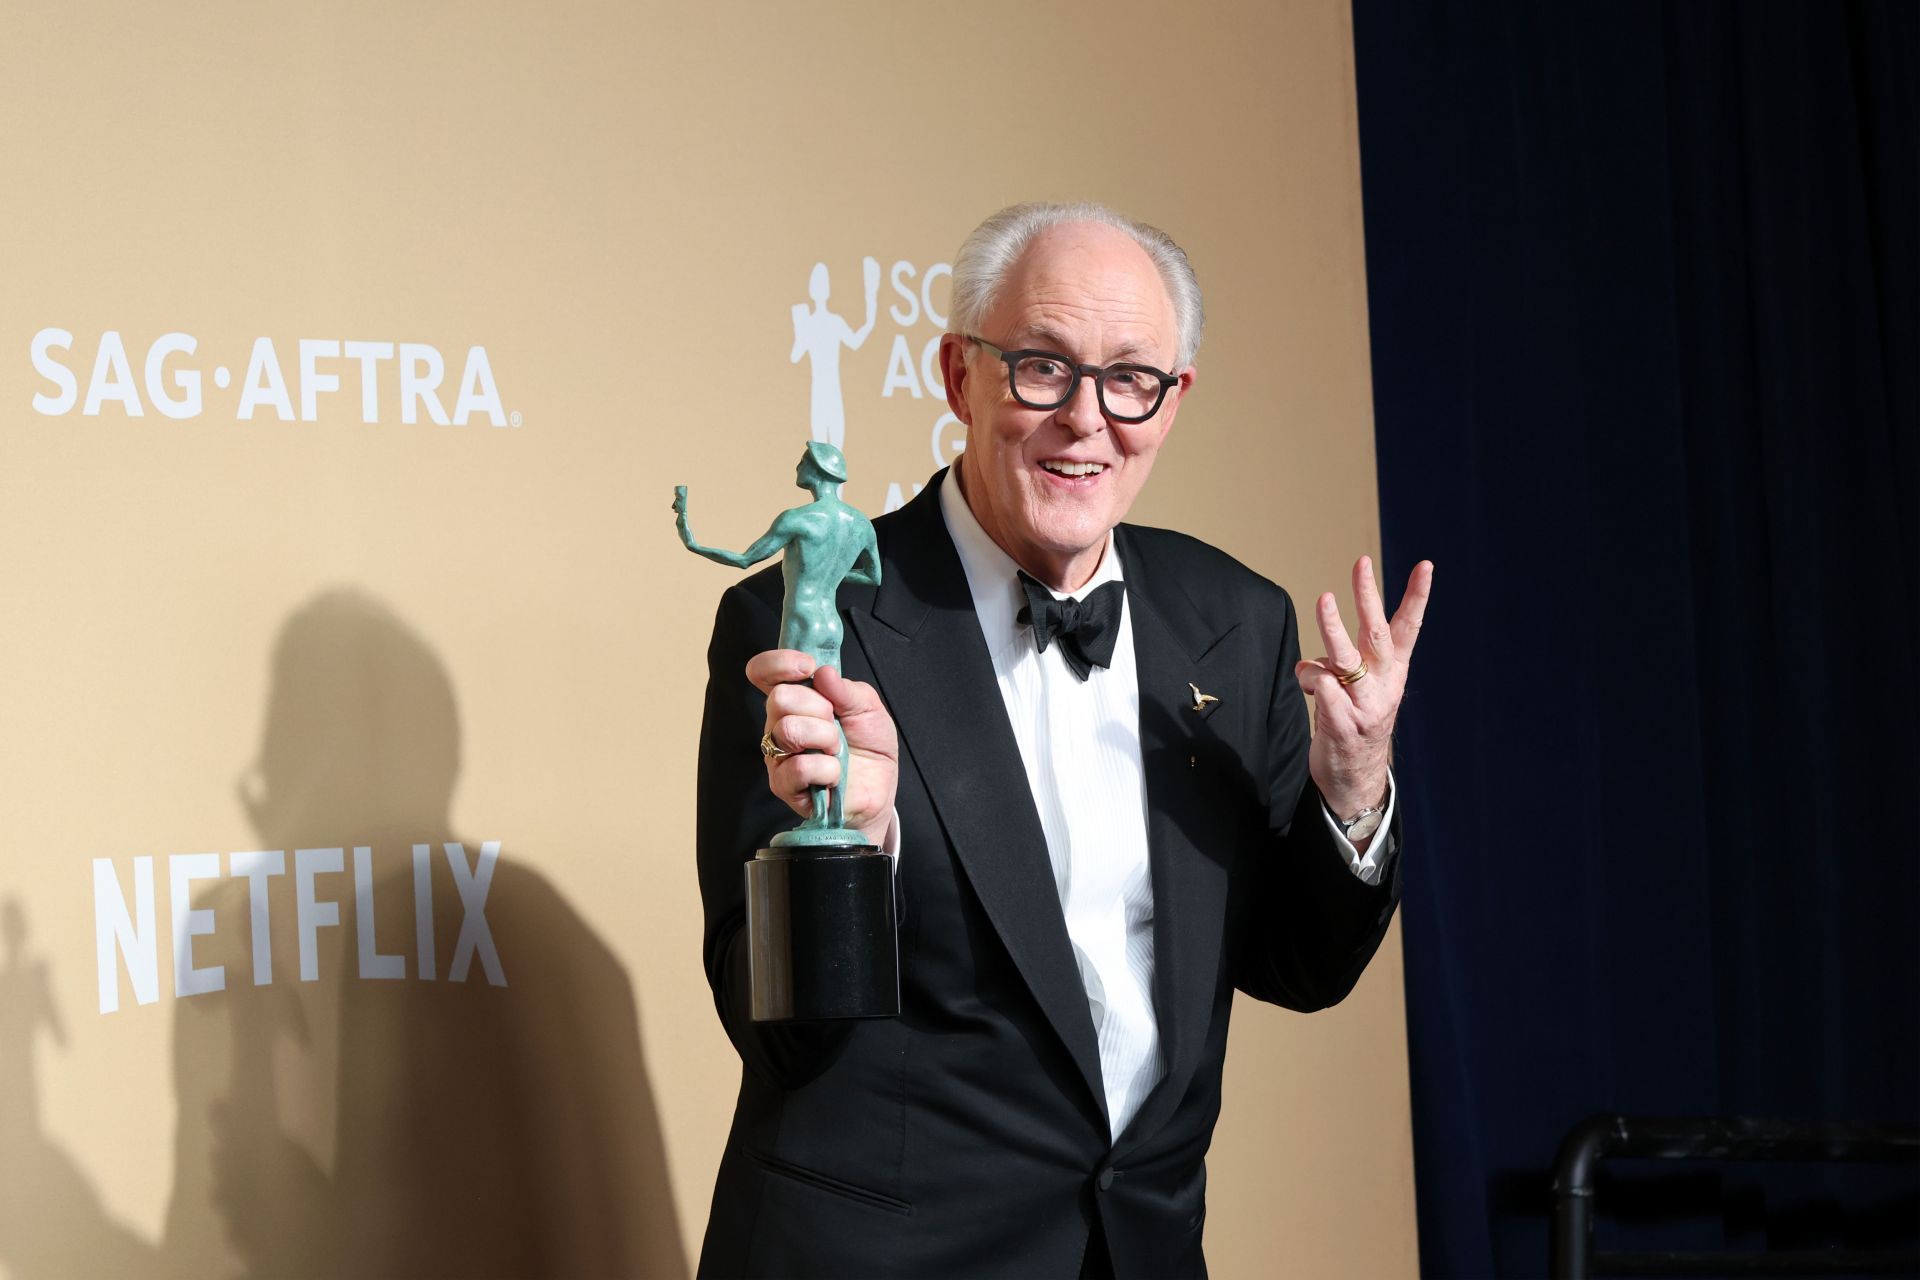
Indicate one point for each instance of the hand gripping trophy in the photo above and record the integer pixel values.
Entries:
(820, 919)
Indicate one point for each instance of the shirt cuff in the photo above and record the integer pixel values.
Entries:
(1366, 865)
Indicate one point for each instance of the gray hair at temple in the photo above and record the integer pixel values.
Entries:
(981, 266)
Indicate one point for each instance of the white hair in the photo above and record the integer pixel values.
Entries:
(981, 266)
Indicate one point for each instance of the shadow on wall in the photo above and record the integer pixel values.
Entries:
(438, 1086)
(52, 1222)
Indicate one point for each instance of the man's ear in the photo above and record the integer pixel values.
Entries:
(954, 371)
(1175, 396)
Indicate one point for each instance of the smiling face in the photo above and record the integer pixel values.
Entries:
(1048, 484)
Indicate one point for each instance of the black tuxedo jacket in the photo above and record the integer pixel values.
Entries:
(969, 1136)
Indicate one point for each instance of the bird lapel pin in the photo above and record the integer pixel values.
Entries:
(1201, 701)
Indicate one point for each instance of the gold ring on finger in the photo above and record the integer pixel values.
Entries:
(771, 749)
(1351, 677)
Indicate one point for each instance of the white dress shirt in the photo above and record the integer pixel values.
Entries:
(1080, 743)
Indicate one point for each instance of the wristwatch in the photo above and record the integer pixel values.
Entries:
(1362, 824)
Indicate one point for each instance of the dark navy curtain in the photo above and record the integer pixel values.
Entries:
(1643, 287)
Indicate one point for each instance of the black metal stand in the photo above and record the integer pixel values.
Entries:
(821, 939)
(1712, 1138)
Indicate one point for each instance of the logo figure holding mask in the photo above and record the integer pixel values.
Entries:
(820, 897)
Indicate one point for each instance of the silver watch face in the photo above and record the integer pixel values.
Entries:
(1365, 827)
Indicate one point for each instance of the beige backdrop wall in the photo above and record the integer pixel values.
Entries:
(226, 632)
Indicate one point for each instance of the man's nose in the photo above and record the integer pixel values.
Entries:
(1081, 413)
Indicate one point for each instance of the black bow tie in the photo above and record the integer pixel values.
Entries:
(1086, 629)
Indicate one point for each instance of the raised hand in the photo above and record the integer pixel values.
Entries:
(1357, 690)
(801, 720)
(680, 516)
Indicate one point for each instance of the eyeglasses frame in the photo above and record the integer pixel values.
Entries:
(1097, 372)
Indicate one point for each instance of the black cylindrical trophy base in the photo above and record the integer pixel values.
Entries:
(821, 941)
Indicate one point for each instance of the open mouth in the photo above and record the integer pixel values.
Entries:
(1074, 470)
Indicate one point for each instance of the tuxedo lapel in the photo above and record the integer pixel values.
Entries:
(1176, 650)
(932, 667)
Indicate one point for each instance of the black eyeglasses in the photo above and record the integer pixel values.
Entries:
(1046, 380)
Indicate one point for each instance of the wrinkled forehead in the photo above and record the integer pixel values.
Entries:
(1089, 290)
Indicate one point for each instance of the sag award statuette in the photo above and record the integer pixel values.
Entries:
(820, 928)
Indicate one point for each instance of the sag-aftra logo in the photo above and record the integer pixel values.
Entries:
(172, 381)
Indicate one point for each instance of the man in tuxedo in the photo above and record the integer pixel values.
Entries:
(1084, 744)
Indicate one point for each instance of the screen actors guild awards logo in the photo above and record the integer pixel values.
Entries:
(821, 335)
(818, 334)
